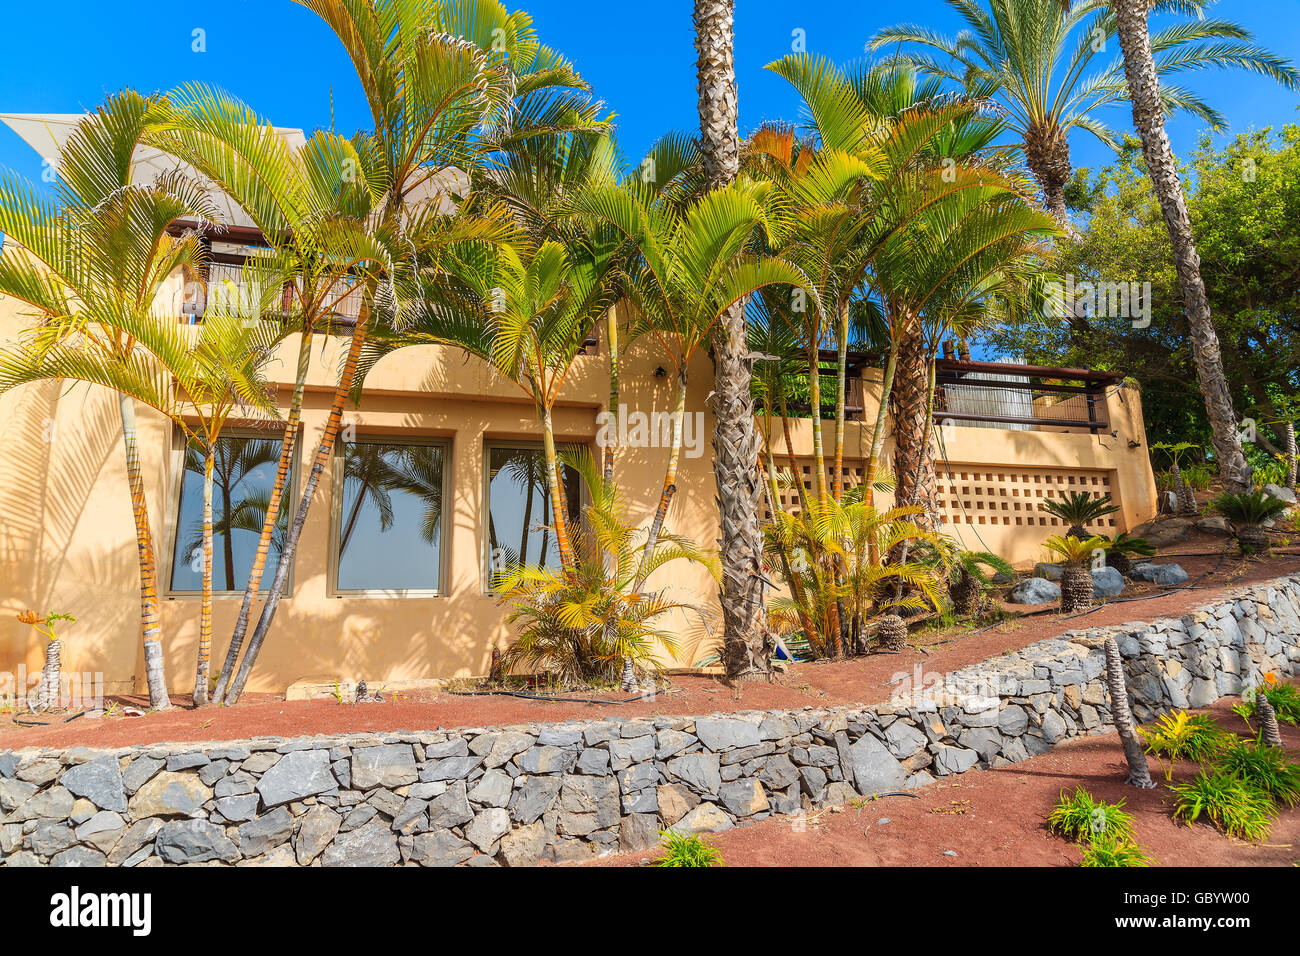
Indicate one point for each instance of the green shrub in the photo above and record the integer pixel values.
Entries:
(1079, 817)
(1183, 737)
(1110, 849)
(1233, 806)
(1263, 768)
(682, 850)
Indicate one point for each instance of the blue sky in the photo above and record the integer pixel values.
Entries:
(638, 57)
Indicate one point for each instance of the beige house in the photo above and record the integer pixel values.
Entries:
(434, 479)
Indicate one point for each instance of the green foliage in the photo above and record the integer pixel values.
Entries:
(1076, 551)
(1079, 817)
(1263, 768)
(1284, 698)
(1125, 543)
(578, 626)
(1231, 804)
(1180, 736)
(45, 624)
(1249, 508)
(1078, 508)
(682, 850)
(1112, 850)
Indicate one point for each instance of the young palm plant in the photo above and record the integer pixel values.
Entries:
(1248, 513)
(581, 625)
(1078, 509)
(1076, 579)
(1122, 549)
(969, 578)
(1183, 491)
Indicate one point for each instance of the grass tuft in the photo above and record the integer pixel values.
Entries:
(682, 850)
(1232, 805)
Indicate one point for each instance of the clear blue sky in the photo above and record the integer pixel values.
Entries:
(638, 57)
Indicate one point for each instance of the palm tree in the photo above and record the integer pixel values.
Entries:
(1183, 492)
(1139, 773)
(1043, 63)
(92, 266)
(736, 442)
(1076, 578)
(311, 205)
(1079, 508)
(445, 83)
(1141, 71)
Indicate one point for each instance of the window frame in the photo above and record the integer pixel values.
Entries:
(485, 544)
(332, 590)
(176, 486)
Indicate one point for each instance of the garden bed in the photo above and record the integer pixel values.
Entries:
(864, 680)
(998, 818)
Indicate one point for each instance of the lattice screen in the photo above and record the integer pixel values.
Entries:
(991, 495)
(854, 471)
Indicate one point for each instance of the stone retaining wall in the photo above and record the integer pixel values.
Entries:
(516, 795)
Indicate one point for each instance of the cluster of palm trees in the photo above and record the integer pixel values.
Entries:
(487, 209)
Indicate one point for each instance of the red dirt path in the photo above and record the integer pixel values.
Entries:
(862, 680)
(997, 818)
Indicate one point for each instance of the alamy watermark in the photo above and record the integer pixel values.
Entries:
(650, 430)
(78, 690)
(1101, 299)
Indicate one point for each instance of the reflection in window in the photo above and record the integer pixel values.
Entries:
(243, 474)
(390, 522)
(519, 507)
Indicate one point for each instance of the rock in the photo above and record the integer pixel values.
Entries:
(266, 832)
(524, 845)
(954, 760)
(778, 773)
(493, 789)
(700, 772)
(743, 798)
(372, 845)
(136, 837)
(595, 797)
(675, 801)
(319, 826)
(1281, 493)
(52, 804)
(921, 778)
(1035, 591)
(40, 772)
(51, 836)
(79, 856)
(302, 773)
(593, 760)
(1054, 728)
(547, 759)
(903, 739)
(452, 809)
(506, 746)
(706, 818)
(440, 848)
(14, 793)
(639, 831)
(1163, 532)
(238, 809)
(1013, 721)
(187, 761)
(450, 768)
(1215, 524)
(99, 781)
(282, 855)
(1106, 583)
(169, 794)
(194, 841)
(672, 742)
(875, 769)
(392, 765)
(487, 828)
(724, 734)
(1164, 575)
(1048, 571)
(102, 830)
(534, 798)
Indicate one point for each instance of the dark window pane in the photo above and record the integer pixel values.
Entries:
(243, 474)
(519, 508)
(390, 527)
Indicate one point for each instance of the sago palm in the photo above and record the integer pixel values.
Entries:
(1078, 509)
(1075, 555)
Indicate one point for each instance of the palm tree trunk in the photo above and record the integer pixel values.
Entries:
(670, 482)
(205, 607)
(611, 443)
(1139, 774)
(878, 433)
(50, 690)
(1267, 716)
(815, 415)
(1148, 118)
(791, 460)
(735, 442)
(321, 460)
(149, 623)
(228, 539)
(555, 486)
(841, 395)
(914, 455)
(1288, 432)
(288, 445)
(1047, 154)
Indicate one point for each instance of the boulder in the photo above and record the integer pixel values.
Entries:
(1052, 572)
(1282, 494)
(874, 768)
(371, 845)
(1035, 591)
(1215, 524)
(1163, 532)
(706, 818)
(1106, 583)
(302, 773)
(99, 781)
(194, 841)
(169, 794)
(1164, 575)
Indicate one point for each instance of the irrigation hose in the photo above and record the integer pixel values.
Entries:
(551, 699)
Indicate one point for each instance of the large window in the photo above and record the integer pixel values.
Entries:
(519, 507)
(389, 528)
(243, 474)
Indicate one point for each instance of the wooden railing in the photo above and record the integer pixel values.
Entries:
(1030, 396)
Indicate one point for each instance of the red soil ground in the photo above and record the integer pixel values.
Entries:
(861, 680)
(998, 818)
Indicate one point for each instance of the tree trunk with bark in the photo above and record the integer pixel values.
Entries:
(1139, 774)
(1047, 154)
(615, 412)
(1267, 718)
(205, 605)
(1288, 433)
(914, 452)
(49, 690)
(1149, 120)
(149, 623)
(746, 650)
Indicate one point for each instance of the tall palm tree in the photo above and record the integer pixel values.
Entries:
(93, 265)
(736, 441)
(445, 83)
(1046, 63)
(311, 205)
(1142, 73)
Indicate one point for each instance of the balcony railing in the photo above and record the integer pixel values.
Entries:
(1004, 395)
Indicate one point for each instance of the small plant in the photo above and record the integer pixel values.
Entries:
(1263, 768)
(683, 850)
(1112, 850)
(1183, 737)
(1079, 817)
(1182, 476)
(1249, 512)
(969, 578)
(49, 690)
(1079, 508)
(1076, 579)
(1232, 805)
(1122, 547)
